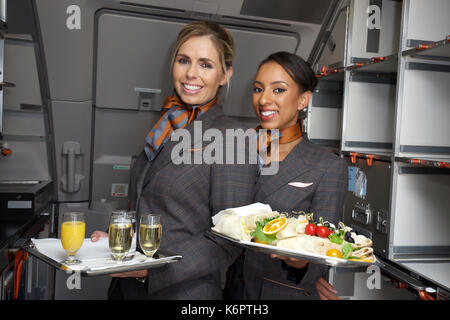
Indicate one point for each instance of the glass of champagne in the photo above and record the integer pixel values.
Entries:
(150, 229)
(120, 235)
(73, 228)
(132, 215)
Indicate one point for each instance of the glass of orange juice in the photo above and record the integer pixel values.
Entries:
(73, 229)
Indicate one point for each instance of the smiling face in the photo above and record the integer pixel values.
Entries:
(277, 98)
(197, 71)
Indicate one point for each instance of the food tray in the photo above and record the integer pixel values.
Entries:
(312, 257)
(96, 258)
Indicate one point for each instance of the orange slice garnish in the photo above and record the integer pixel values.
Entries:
(275, 225)
(259, 241)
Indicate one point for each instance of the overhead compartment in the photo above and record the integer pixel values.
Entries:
(133, 57)
(132, 61)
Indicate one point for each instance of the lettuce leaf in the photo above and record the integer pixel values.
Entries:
(347, 250)
(335, 238)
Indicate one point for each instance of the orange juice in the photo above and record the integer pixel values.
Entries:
(72, 235)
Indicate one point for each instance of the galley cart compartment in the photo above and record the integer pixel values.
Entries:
(324, 120)
(423, 111)
(424, 22)
(366, 207)
(395, 114)
(369, 107)
(372, 33)
(23, 124)
(419, 237)
(368, 114)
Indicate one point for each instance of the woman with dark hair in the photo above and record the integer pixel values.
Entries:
(283, 87)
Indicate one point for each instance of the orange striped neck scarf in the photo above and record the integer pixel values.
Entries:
(175, 115)
(285, 135)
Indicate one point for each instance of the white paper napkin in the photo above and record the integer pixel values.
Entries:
(253, 208)
(93, 255)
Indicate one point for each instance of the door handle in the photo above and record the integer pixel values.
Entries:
(71, 180)
(147, 90)
(6, 85)
(147, 98)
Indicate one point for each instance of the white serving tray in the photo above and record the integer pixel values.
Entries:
(96, 257)
(312, 257)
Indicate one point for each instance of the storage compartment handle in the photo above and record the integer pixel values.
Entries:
(147, 98)
(147, 90)
(70, 180)
(362, 214)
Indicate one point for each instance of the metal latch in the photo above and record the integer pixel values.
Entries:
(6, 85)
(362, 214)
(382, 221)
(146, 98)
(70, 180)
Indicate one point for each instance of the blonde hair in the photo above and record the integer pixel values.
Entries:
(221, 38)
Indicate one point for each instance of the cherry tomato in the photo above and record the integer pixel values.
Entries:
(311, 229)
(323, 232)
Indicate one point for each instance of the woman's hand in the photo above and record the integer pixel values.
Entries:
(326, 290)
(293, 262)
(97, 235)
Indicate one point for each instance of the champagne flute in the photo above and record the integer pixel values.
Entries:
(120, 235)
(73, 228)
(150, 230)
(132, 215)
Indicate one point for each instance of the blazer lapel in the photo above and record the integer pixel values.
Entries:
(294, 165)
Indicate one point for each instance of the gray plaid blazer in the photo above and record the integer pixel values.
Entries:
(187, 196)
(267, 278)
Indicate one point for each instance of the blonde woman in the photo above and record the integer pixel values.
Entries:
(187, 195)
